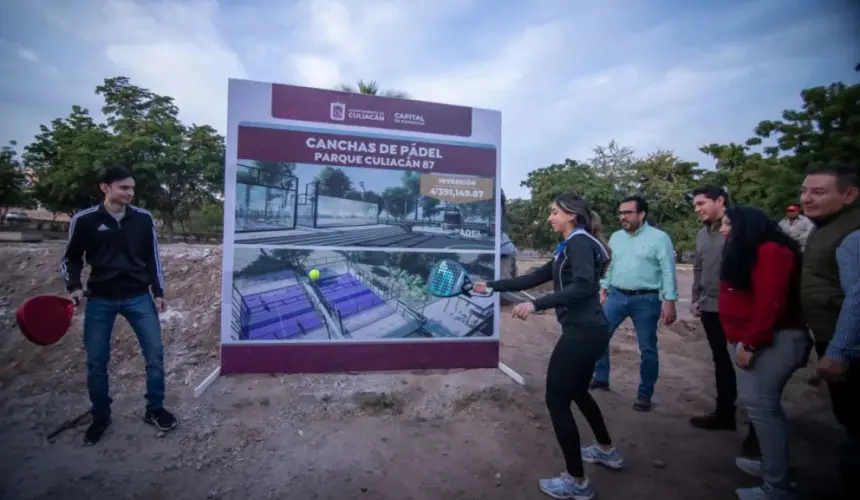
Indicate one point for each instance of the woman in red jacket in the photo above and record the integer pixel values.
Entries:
(759, 306)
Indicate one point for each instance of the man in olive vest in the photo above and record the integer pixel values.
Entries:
(830, 294)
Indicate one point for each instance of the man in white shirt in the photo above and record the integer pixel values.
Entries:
(796, 225)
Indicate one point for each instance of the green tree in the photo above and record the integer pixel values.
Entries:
(826, 128)
(412, 182)
(66, 160)
(428, 206)
(752, 178)
(177, 167)
(275, 173)
(765, 171)
(333, 182)
(208, 219)
(665, 180)
(373, 197)
(522, 226)
(13, 181)
(371, 88)
(593, 181)
(398, 202)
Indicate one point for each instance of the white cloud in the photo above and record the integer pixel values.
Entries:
(515, 70)
(172, 48)
(176, 50)
(315, 71)
(331, 22)
(373, 39)
(643, 104)
(28, 54)
(200, 91)
(548, 117)
(19, 51)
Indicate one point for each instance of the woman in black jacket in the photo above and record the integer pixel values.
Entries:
(575, 271)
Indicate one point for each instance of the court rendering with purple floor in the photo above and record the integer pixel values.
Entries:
(280, 314)
(349, 295)
(357, 295)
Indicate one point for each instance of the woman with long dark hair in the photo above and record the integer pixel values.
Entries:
(575, 271)
(759, 305)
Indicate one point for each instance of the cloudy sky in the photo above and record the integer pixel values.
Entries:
(566, 74)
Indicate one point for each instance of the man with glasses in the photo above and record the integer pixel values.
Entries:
(639, 284)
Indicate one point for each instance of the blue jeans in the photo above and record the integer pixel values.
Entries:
(644, 310)
(99, 319)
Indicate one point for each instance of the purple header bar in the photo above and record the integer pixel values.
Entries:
(361, 110)
(323, 148)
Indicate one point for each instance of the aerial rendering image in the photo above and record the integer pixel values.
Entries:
(325, 295)
(280, 203)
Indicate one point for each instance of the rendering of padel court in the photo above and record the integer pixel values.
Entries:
(355, 295)
(280, 204)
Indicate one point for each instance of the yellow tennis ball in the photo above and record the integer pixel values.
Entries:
(314, 274)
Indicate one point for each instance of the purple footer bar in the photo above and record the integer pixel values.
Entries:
(333, 358)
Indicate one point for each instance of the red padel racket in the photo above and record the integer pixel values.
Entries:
(45, 319)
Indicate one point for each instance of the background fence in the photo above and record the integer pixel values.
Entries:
(241, 313)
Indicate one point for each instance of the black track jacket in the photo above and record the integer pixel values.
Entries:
(123, 255)
(575, 272)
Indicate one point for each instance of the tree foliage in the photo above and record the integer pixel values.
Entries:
(334, 182)
(371, 88)
(66, 159)
(765, 171)
(13, 181)
(179, 168)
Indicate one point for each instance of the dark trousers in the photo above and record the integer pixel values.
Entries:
(845, 398)
(568, 375)
(724, 371)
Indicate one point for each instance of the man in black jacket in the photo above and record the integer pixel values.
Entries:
(120, 245)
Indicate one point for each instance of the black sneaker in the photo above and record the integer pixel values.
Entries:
(598, 385)
(643, 404)
(95, 431)
(162, 419)
(713, 422)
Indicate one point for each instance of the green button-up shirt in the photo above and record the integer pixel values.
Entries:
(643, 260)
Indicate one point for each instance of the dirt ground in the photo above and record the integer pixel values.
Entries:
(457, 435)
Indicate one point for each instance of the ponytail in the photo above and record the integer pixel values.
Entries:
(574, 204)
(596, 230)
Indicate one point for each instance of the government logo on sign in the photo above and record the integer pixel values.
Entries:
(338, 111)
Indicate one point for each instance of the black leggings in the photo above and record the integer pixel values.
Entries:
(567, 379)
